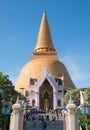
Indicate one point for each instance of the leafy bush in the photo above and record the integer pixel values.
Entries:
(9, 94)
(83, 119)
(75, 94)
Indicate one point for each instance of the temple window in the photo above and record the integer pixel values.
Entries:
(32, 91)
(26, 93)
(32, 81)
(33, 102)
(58, 81)
(59, 102)
(60, 91)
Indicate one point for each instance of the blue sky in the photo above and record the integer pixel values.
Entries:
(69, 22)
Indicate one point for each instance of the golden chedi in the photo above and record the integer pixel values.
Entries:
(44, 55)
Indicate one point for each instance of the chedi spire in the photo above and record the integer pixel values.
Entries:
(44, 41)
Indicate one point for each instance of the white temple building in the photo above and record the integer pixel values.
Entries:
(44, 78)
(47, 92)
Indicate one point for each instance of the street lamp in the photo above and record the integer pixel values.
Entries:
(22, 90)
(22, 93)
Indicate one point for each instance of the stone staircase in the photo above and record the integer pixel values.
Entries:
(51, 125)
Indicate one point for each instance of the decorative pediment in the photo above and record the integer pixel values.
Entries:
(46, 75)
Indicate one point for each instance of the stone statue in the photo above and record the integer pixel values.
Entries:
(46, 103)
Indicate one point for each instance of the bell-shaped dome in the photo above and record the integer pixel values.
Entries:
(44, 55)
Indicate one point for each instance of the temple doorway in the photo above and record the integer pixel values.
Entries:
(46, 96)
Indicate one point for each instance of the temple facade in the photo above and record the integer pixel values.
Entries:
(44, 77)
(46, 92)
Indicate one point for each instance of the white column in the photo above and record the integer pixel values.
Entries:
(16, 120)
(38, 99)
(71, 117)
(54, 100)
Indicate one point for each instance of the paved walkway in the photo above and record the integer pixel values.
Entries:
(51, 125)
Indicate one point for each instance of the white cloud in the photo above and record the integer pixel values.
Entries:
(79, 75)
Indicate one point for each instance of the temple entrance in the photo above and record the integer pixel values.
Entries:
(46, 96)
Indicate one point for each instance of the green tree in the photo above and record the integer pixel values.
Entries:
(88, 104)
(85, 119)
(81, 118)
(8, 94)
(75, 94)
(88, 96)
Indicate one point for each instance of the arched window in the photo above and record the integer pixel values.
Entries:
(59, 102)
(26, 93)
(33, 102)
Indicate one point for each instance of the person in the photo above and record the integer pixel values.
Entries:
(53, 118)
(24, 122)
(42, 118)
(44, 125)
(40, 123)
(47, 118)
(34, 121)
(57, 115)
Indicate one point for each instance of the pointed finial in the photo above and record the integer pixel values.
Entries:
(44, 40)
(44, 14)
(70, 101)
(17, 101)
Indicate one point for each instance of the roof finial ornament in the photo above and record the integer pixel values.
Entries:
(17, 101)
(70, 100)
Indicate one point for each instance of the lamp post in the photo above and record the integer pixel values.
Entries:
(21, 93)
(22, 90)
